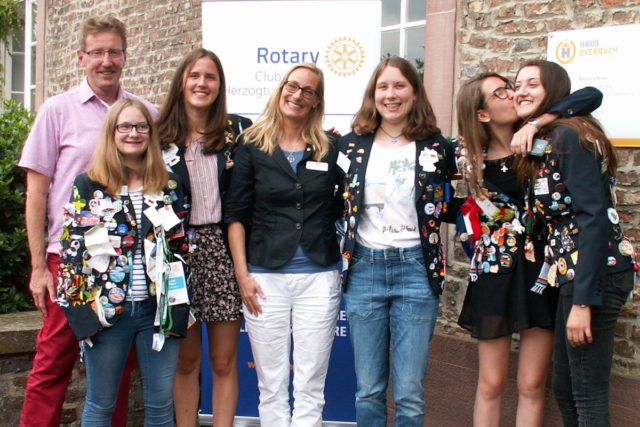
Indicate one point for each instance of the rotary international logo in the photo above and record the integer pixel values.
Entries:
(344, 56)
(566, 51)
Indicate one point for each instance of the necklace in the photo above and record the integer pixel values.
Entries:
(290, 157)
(394, 139)
(503, 165)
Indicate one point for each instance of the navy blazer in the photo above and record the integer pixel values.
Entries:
(572, 195)
(286, 208)
(433, 193)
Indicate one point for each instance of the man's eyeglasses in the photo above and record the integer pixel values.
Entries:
(503, 92)
(99, 53)
(128, 127)
(307, 92)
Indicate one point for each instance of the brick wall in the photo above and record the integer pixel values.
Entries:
(159, 34)
(498, 35)
(492, 35)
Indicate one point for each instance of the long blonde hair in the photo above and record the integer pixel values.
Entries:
(268, 127)
(107, 168)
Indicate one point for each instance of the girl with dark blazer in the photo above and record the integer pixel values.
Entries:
(198, 139)
(586, 254)
(122, 236)
(284, 187)
(507, 252)
(397, 192)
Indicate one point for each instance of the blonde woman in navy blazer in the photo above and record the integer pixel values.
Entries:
(283, 195)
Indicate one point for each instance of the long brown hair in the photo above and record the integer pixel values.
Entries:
(173, 126)
(475, 134)
(264, 133)
(421, 121)
(557, 85)
(107, 168)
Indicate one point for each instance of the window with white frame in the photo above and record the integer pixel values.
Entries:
(403, 23)
(19, 61)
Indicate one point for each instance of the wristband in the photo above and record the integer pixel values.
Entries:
(535, 123)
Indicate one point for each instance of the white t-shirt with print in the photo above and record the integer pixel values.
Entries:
(389, 218)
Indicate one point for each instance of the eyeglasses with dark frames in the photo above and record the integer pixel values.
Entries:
(128, 127)
(307, 92)
(503, 92)
(99, 53)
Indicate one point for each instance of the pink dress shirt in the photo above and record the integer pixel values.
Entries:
(61, 143)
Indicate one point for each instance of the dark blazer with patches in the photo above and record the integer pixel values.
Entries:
(72, 281)
(286, 208)
(572, 195)
(431, 188)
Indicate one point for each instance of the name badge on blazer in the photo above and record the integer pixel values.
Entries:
(318, 166)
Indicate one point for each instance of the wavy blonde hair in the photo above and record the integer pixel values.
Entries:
(268, 127)
(107, 168)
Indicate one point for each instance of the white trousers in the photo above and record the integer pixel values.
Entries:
(307, 305)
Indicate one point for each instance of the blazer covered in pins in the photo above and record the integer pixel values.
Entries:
(433, 194)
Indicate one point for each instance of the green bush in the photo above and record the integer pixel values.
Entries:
(15, 123)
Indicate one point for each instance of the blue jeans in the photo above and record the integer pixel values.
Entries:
(390, 303)
(581, 374)
(105, 361)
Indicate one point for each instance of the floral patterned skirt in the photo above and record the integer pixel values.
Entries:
(215, 295)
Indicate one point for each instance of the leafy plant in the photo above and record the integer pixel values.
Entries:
(11, 18)
(15, 123)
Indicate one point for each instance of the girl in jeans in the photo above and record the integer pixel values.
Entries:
(586, 254)
(120, 252)
(507, 256)
(397, 191)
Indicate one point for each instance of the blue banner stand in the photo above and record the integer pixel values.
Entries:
(340, 387)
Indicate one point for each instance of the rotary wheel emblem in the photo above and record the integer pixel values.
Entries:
(344, 56)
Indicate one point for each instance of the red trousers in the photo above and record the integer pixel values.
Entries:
(56, 352)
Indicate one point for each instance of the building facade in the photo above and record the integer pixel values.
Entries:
(460, 39)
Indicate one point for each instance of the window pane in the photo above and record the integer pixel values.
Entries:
(416, 10)
(34, 7)
(32, 80)
(390, 43)
(415, 44)
(18, 97)
(390, 12)
(17, 72)
(17, 43)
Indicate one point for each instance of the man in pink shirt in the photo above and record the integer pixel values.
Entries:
(58, 148)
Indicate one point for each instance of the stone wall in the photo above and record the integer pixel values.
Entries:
(159, 34)
(17, 347)
(499, 35)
